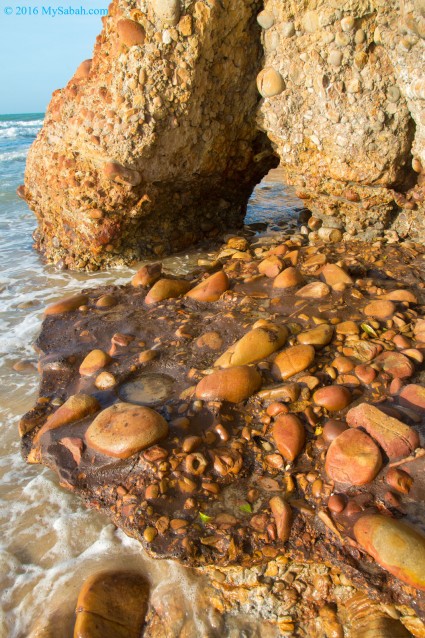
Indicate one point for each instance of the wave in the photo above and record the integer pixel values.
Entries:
(13, 155)
(12, 129)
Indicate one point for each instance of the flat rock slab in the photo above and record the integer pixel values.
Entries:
(229, 465)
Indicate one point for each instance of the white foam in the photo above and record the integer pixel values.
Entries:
(13, 155)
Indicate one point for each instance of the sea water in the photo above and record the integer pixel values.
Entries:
(49, 542)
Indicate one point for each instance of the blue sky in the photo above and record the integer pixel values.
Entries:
(39, 53)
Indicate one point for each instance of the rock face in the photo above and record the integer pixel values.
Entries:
(152, 145)
(350, 111)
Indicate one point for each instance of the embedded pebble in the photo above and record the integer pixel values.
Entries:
(265, 20)
(293, 360)
(75, 408)
(353, 458)
(315, 290)
(399, 480)
(231, 384)
(288, 278)
(167, 289)
(270, 82)
(94, 361)
(68, 304)
(147, 275)
(289, 435)
(282, 514)
(380, 309)
(397, 547)
(168, 11)
(396, 438)
(211, 288)
(124, 429)
(131, 33)
(333, 398)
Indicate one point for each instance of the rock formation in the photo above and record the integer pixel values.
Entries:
(346, 113)
(152, 145)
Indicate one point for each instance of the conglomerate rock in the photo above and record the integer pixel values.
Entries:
(347, 114)
(152, 144)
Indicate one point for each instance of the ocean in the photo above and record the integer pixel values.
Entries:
(49, 542)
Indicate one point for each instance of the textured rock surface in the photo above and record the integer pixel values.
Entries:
(153, 144)
(352, 111)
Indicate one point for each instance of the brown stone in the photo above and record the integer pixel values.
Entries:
(289, 435)
(112, 602)
(319, 336)
(365, 373)
(232, 384)
(400, 295)
(380, 309)
(315, 290)
(68, 304)
(293, 360)
(282, 514)
(347, 328)
(288, 278)
(399, 480)
(94, 361)
(397, 547)
(147, 275)
(211, 288)
(353, 458)
(333, 275)
(333, 398)
(257, 344)
(75, 408)
(167, 289)
(396, 364)
(75, 446)
(83, 71)
(131, 33)
(124, 429)
(211, 340)
(413, 396)
(342, 364)
(396, 438)
(270, 267)
(332, 429)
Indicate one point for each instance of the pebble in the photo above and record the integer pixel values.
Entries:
(347, 328)
(94, 361)
(332, 429)
(112, 604)
(232, 384)
(270, 82)
(348, 23)
(342, 364)
(147, 275)
(319, 337)
(365, 373)
(150, 389)
(336, 503)
(380, 309)
(282, 514)
(333, 275)
(131, 33)
(271, 266)
(397, 547)
(211, 288)
(167, 289)
(124, 429)
(105, 381)
(77, 407)
(106, 301)
(75, 446)
(396, 438)
(265, 20)
(68, 304)
(400, 295)
(315, 290)
(396, 364)
(399, 480)
(293, 360)
(413, 396)
(353, 458)
(211, 340)
(288, 278)
(24, 366)
(168, 11)
(289, 436)
(333, 398)
(256, 345)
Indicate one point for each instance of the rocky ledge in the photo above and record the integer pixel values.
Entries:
(270, 407)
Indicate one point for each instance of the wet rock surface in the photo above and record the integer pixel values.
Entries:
(240, 477)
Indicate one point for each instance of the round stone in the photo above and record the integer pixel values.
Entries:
(353, 458)
(293, 360)
(289, 435)
(288, 278)
(167, 289)
(147, 275)
(131, 33)
(232, 384)
(332, 429)
(333, 398)
(94, 361)
(397, 547)
(168, 11)
(147, 389)
(380, 309)
(265, 20)
(335, 58)
(348, 23)
(124, 429)
(270, 82)
(319, 337)
(211, 288)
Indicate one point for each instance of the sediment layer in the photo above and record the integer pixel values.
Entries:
(206, 415)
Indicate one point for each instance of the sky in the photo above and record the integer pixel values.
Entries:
(40, 52)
